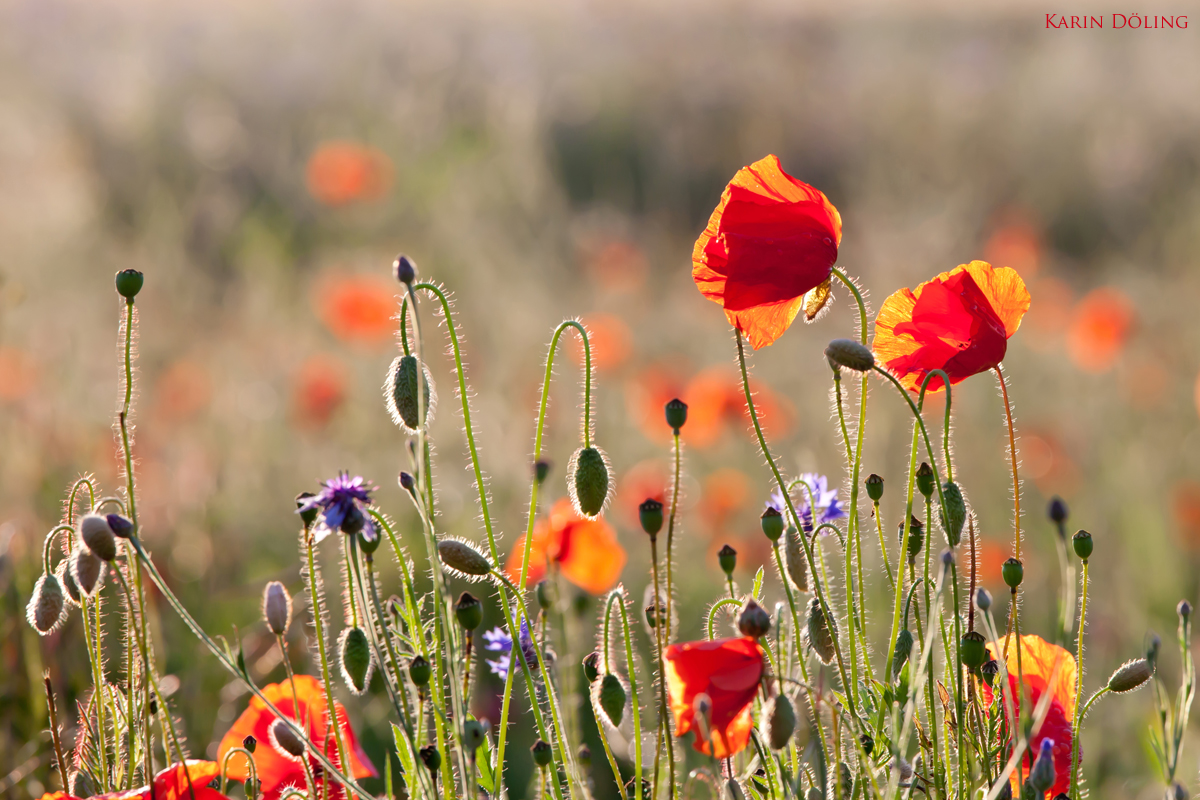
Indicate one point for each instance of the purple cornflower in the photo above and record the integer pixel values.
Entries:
(828, 506)
(499, 641)
(341, 502)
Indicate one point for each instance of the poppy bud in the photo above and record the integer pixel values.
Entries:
(588, 483)
(544, 591)
(463, 557)
(822, 636)
(901, 651)
(772, 523)
(1130, 675)
(285, 740)
(983, 599)
(419, 671)
(307, 515)
(472, 735)
(973, 650)
(70, 587)
(129, 283)
(45, 609)
(1152, 650)
(611, 696)
(469, 611)
(404, 269)
(1013, 572)
(1184, 610)
(542, 752)
(676, 414)
(584, 756)
(794, 560)
(431, 758)
(868, 744)
(874, 487)
(947, 559)
(250, 743)
(850, 354)
(96, 534)
(153, 706)
(277, 607)
(916, 537)
(990, 670)
(400, 394)
(356, 659)
(727, 558)
(541, 469)
(954, 513)
(1042, 776)
(591, 666)
(925, 480)
(88, 570)
(650, 513)
(1057, 510)
(754, 621)
(369, 544)
(121, 527)
(80, 785)
(781, 721)
(1082, 542)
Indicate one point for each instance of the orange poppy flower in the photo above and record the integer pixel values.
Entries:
(586, 550)
(1099, 329)
(728, 673)
(1045, 668)
(770, 241)
(339, 173)
(356, 308)
(959, 322)
(276, 771)
(170, 784)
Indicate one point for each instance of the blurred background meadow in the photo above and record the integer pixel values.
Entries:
(263, 163)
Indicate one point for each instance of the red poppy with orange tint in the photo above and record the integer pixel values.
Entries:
(318, 391)
(959, 322)
(357, 309)
(727, 673)
(610, 342)
(1100, 327)
(1045, 669)
(771, 240)
(585, 551)
(341, 172)
(278, 771)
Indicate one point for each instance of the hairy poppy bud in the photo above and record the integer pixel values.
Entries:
(356, 659)
(45, 609)
(916, 537)
(983, 599)
(781, 721)
(542, 752)
(121, 527)
(541, 470)
(727, 558)
(400, 394)
(1130, 675)
(70, 586)
(925, 480)
(650, 514)
(874, 487)
(676, 414)
(431, 758)
(1013, 572)
(1057, 510)
(129, 283)
(250, 743)
(277, 607)
(772, 523)
(1184, 610)
(307, 515)
(419, 671)
(588, 483)
(822, 636)
(285, 740)
(80, 785)
(901, 650)
(794, 560)
(469, 611)
(954, 513)
(88, 570)
(463, 558)
(973, 650)
(591, 666)
(850, 354)
(544, 591)
(1082, 542)
(868, 744)
(472, 735)
(96, 534)
(404, 269)
(584, 756)
(814, 794)
(611, 697)
(1042, 776)
(990, 670)
(754, 621)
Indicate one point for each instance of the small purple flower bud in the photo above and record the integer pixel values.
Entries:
(121, 527)
(404, 269)
(407, 481)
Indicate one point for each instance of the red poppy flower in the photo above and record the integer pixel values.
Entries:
(728, 673)
(586, 550)
(170, 784)
(1045, 668)
(771, 240)
(959, 322)
(339, 173)
(276, 770)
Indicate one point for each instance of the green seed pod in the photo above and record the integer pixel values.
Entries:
(1013, 572)
(822, 636)
(727, 558)
(369, 544)
(542, 752)
(250, 743)
(916, 537)
(400, 394)
(419, 671)
(1082, 542)
(754, 621)
(463, 559)
(285, 740)
(96, 534)
(356, 659)
(277, 607)
(650, 514)
(591, 666)
(874, 487)
(431, 758)
(472, 735)
(676, 414)
(1130, 675)
(772, 523)
(954, 514)
(925, 480)
(850, 354)
(901, 651)
(46, 605)
(129, 283)
(611, 696)
(588, 482)
(469, 611)
(780, 718)
(990, 670)
(973, 650)
(794, 559)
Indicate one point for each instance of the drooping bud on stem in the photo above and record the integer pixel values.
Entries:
(781, 721)
(954, 513)
(96, 534)
(88, 571)
(400, 394)
(46, 604)
(901, 650)
(587, 481)
(850, 354)
(277, 608)
(285, 740)
(794, 558)
(120, 526)
(1130, 675)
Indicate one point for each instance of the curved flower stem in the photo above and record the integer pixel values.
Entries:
(617, 597)
(1078, 721)
(250, 767)
(1012, 451)
(91, 487)
(664, 727)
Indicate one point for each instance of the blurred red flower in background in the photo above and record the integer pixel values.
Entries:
(727, 672)
(959, 322)
(182, 391)
(1015, 243)
(990, 559)
(1100, 327)
(1185, 505)
(586, 551)
(343, 172)
(610, 341)
(645, 480)
(18, 373)
(1049, 318)
(615, 264)
(356, 308)
(770, 241)
(318, 390)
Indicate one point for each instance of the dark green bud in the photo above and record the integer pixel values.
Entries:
(676, 414)
(954, 514)
(650, 513)
(1082, 542)
(850, 354)
(369, 544)
(781, 721)
(541, 470)
(822, 636)
(754, 621)
(250, 743)
(129, 283)
(591, 666)
(874, 487)
(308, 515)
(1130, 675)
(990, 670)
(868, 744)
(772, 523)
(400, 394)
(916, 536)
(356, 659)
(464, 558)
(973, 650)
(925, 480)
(469, 611)
(1013, 572)
(727, 558)
(472, 735)
(419, 671)
(354, 521)
(542, 752)
(611, 697)
(404, 269)
(431, 758)
(901, 651)
(588, 481)
(544, 591)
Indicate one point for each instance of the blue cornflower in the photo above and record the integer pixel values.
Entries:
(500, 641)
(828, 506)
(341, 502)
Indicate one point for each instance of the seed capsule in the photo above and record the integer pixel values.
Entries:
(754, 621)
(1013, 572)
(129, 283)
(781, 721)
(794, 559)
(990, 670)
(356, 659)
(277, 607)
(45, 609)
(650, 514)
(285, 740)
(874, 487)
(96, 534)
(954, 513)
(591, 666)
(472, 735)
(431, 758)
(850, 354)
(588, 482)
(541, 470)
(419, 671)
(250, 743)
(468, 611)
(821, 635)
(727, 558)
(973, 650)
(925, 480)
(542, 752)
(1130, 675)
(677, 411)
(1082, 542)
(916, 537)
(772, 523)
(611, 696)
(400, 394)
(901, 650)
(464, 558)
